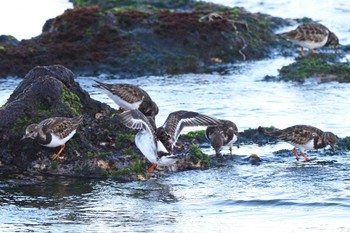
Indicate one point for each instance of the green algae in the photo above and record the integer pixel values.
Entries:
(123, 139)
(316, 65)
(20, 124)
(196, 156)
(54, 165)
(135, 167)
(94, 154)
(72, 101)
(194, 134)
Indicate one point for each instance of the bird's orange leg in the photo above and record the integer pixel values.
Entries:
(152, 168)
(296, 154)
(59, 152)
(312, 51)
(302, 51)
(305, 157)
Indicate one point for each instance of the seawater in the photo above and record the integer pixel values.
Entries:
(279, 195)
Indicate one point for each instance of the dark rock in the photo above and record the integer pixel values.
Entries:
(7, 40)
(90, 40)
(51, 91)
(322, 66)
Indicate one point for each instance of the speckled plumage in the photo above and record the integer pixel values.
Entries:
(129, 97)
(157, 144)
(303, 137)
(177, 121)
(219, 136)
(311, 36)
(54, 131)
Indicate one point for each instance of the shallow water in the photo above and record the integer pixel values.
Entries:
(279, 195)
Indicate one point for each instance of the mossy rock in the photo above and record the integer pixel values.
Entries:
(197, 157)
(171, 37)
(197, 136)
(324, 67)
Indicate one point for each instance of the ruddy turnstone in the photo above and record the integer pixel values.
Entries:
(219, 136)
(53, 132)
(128, 96)
(303, 137)
(311, 36)
(157, 144)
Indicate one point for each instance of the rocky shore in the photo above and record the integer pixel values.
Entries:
(166, 37)
(130, 40)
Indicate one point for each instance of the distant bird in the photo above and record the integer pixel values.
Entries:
(219, 136)
(157, 144)
(53, 132)
(311, 36)
(128, 97)
(303, 137)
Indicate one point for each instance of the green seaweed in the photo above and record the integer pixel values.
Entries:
(235, 13)
(43, 107)
(196, 156)
(21, 123)
(72, 101)
(137, 167)
(124, 138)
(104, 172)
(316, 65)
(94, 154)
(54, 165)
(194, 134)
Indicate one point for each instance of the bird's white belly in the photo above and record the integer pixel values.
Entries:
(145, 142)
(56, 141)
(122, 103)
(310, 44)
(167, 160)
(308, 146)
(234, 139)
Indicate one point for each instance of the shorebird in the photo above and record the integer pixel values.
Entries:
(157, 144)
(128, 97)
(311, 36)
(303, 137)
(219, 136)
(53, 132)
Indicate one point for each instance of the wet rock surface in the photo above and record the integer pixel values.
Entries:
(129, 42)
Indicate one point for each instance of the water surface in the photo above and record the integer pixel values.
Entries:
(279, 195)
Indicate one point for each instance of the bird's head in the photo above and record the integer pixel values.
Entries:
(330, 139)
(31, 131)
(333, 41)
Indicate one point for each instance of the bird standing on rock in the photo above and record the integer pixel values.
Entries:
(311, 36)
(219, 136)
(54, 132)
(304, 137)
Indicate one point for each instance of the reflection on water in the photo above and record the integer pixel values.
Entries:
(301, 196)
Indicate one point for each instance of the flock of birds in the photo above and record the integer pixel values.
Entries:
(157, 143)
